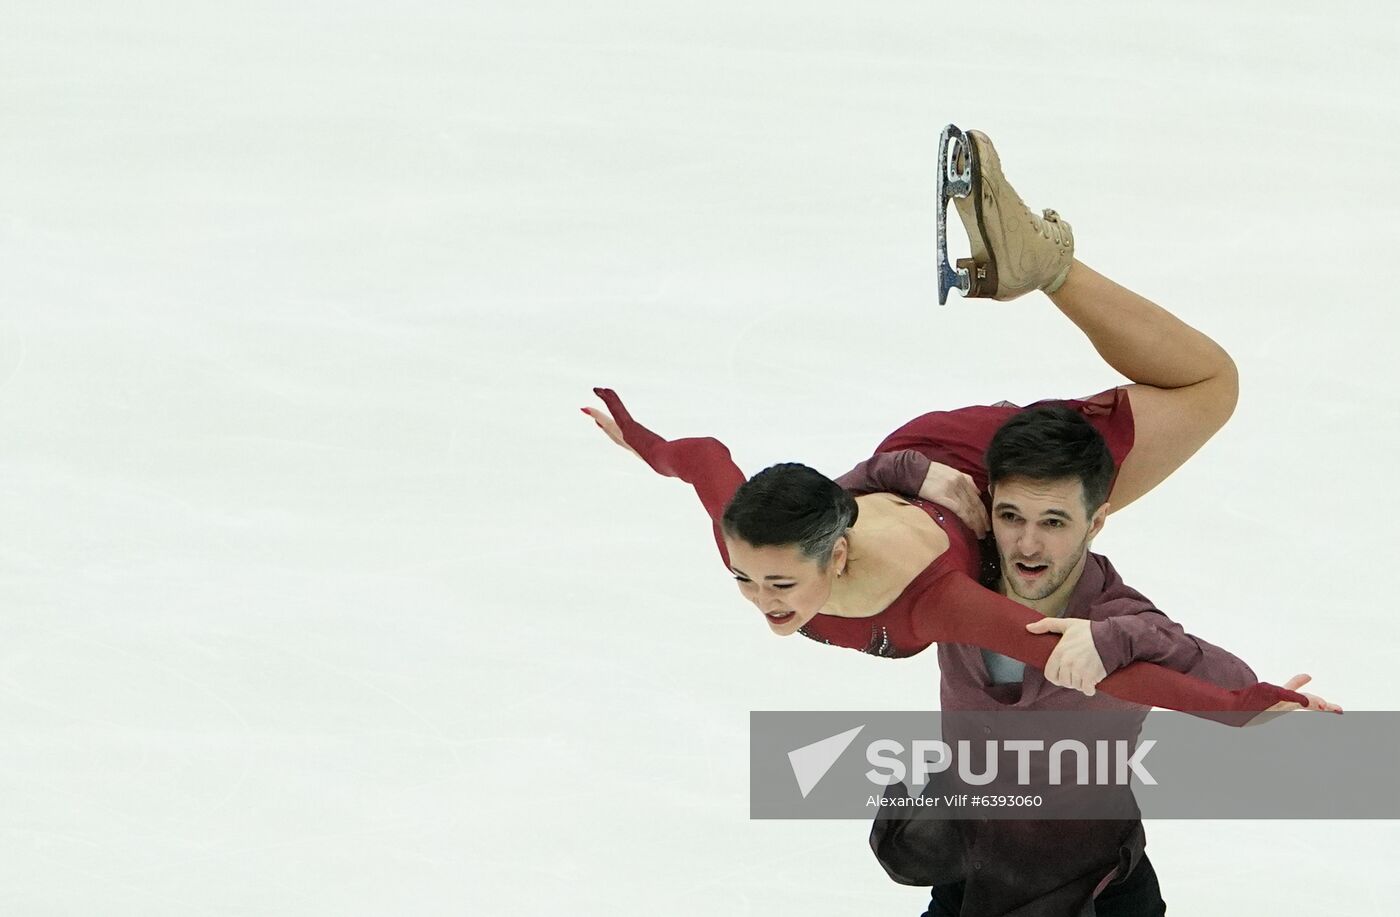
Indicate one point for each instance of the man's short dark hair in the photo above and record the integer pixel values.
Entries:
(1052, 443)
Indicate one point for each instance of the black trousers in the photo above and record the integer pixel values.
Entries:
(1139, 895)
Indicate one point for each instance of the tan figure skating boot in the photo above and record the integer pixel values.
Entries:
(1014, 251)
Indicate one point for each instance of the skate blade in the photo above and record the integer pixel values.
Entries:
(955, 179)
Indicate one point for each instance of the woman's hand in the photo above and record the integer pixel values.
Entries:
(609, 426)
(955, 490)
(1314, 702)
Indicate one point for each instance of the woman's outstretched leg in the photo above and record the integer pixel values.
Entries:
(1184, 384)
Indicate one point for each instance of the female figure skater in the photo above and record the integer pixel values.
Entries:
(849, 563)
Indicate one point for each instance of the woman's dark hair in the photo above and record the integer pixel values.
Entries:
(791, 504)
(1052, 443)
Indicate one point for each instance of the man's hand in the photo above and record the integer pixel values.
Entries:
(1075, 661)
(608, 426)
(955, 490)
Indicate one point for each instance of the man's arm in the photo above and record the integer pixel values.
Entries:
(913, 474)
(1151, 636)
(901, 472)
(1135, 631)
(1123, 626)
(955, 609)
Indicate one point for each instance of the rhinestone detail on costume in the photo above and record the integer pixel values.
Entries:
(879, 644)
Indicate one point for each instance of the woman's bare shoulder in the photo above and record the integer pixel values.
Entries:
(904, 522)
(898, 540)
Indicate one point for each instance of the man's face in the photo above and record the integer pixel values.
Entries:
(1042, 532)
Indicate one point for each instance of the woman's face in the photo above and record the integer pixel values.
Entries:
(787, 587)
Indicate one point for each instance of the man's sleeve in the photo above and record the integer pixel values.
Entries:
(955, 609)
(1147, 635)
(901, 472)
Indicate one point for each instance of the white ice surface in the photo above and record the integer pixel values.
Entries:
(321, 597)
